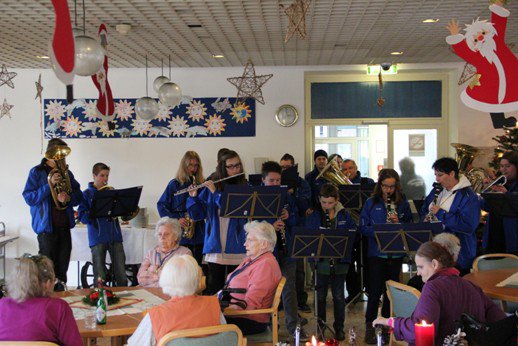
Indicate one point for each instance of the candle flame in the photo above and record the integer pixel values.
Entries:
(313, 341)
(423, 322)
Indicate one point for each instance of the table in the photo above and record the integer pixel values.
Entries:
(487, 280)
(116, 326)
(4, 239)
(136, 241)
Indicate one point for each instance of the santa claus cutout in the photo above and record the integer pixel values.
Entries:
(494, 88)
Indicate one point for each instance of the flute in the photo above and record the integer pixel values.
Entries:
(196, 187)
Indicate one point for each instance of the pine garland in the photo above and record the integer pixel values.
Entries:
(507, 141)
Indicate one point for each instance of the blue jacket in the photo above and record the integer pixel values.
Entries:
(206, 206)
(462, 220)
(101, 230)
(376, 213)
(303, 196)
(343, 222)
(38, 196)
(175, 207)
(509, 224)
(315, 186)
(358, 179)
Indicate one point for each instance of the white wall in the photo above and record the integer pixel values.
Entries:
(153, 162)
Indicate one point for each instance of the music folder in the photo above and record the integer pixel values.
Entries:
(403, 238)
(502, 204)
(252, 202)
(114, 203)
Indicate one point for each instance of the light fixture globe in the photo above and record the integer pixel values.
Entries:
(159, 81)
(170, 94)
(146, 108)
(89, 56)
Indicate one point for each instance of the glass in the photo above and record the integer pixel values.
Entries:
(237, 165)
(89, 321)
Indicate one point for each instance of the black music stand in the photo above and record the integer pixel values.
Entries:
(350, 196)
(255, 179)
(321, 243)
(366, 191)
(114, 203)
(502, 204)
(404, 238)
(253, 202)
(290, 177)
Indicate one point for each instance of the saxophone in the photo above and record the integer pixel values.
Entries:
(431, 217)
(188, 231)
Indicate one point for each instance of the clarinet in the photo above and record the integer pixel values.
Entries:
(282, 230)
(327, 224)
(431, 217)
(389, 209)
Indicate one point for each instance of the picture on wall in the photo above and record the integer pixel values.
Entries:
(193, 117)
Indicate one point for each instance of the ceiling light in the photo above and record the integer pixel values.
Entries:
(374, 70)
(396, 53)
(123, 28)
(431, 20)
(194, 25)
(42, 57)
(218, 56)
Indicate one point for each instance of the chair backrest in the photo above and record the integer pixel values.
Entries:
(222, 335)
(403, 299)
(27, 343)
(278, 293)
(495, 261)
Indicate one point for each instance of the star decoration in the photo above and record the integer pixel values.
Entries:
(39, 88)
(249, 84)
(296, 13)
(475, 81)
(6, 77)
(5, 109)
(468, 72)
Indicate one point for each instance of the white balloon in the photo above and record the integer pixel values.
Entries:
(146, 108)
(89, 56)
(170, 94)
(159, 81)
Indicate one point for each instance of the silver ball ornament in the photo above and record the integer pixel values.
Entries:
(89, 56)
(146, 108)
(170, 94)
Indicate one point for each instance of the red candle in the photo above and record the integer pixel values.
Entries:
(424, 334)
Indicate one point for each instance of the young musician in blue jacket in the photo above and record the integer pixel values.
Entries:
(458, 209)
(224, 242)
(104, 233)
(331, 272)
(387, 205)
(51, 224)
(189, 172)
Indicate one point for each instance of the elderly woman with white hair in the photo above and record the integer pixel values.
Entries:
(30, 313)
(169, 233)
(259, 274)
(180, 279)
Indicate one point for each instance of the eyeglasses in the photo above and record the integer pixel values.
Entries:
(235, 166)
(388, 187)
(196, 165)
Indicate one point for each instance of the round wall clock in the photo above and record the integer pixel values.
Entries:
(286, 115)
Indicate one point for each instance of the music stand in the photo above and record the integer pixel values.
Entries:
(290, 177)
(253, 202)
(502, 204)
(316, 244)
(350, 196)
(404, 238)
(114, 203)
(255, 179)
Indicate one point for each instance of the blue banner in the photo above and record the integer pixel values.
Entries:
(193, 117)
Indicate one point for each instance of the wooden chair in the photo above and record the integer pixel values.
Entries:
(222, 335)
(27, 343)
(271, 335)
(403, 300)
(497, 261)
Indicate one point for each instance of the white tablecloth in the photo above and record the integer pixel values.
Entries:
(136, 241)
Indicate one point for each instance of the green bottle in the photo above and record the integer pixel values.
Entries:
(100, 312)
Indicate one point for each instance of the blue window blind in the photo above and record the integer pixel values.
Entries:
(345, 100)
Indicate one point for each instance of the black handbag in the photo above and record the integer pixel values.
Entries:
(501, 333)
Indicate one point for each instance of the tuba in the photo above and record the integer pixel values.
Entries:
(58, 154)
(465, 154)
(333, 174)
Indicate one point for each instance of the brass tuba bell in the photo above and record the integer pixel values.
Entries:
(332, 173)
(465, 154)
(58, 154)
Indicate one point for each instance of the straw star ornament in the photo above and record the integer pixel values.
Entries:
(296, 13)
(39, 88)
(6, 77)
(249, 84)
(5, 109)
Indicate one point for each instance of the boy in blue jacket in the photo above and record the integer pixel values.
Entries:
(104, 233)
(331, 272)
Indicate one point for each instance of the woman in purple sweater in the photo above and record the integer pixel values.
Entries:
(444, 298)
(29, 313)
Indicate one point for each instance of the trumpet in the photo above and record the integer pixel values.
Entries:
(431, 217)
(501, 180)
(199, 186)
